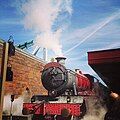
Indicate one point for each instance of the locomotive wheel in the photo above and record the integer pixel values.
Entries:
(76, 118)
(83, 109)
(41, 117)
(114, 112)
(38, 117)
(107, 117)
(60, 117)
(111, 116)
(48, 117)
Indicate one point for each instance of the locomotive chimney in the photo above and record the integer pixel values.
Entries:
(61, 60)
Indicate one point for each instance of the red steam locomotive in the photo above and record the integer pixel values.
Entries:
(67, 92)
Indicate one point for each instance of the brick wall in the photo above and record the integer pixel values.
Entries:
(26, 73)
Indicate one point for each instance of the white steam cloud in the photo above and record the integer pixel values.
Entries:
(42, 16)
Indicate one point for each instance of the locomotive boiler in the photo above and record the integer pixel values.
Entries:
(67, 91)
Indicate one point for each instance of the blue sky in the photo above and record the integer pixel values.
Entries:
(84, 25)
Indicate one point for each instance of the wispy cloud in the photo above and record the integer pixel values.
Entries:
(10, 22)
(106, 38)
(91, 31)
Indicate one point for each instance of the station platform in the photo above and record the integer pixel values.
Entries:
(106, 63)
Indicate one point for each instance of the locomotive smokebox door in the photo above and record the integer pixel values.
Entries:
(54, 78)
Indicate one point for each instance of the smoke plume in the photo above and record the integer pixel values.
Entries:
(45, 18)
(96, 111)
